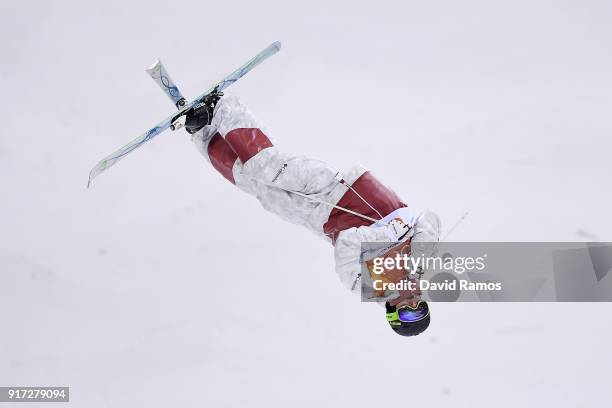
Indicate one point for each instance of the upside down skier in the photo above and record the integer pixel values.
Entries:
(345, 208)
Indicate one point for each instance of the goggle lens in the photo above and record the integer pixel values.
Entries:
(409, 315)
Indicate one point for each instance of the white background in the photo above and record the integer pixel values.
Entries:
(163, 285)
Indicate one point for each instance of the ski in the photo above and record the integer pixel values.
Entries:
(160, 75)
(175, 120)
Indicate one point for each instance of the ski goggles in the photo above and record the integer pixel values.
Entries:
(408, 314)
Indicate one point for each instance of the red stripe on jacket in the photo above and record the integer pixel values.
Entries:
(379, 196)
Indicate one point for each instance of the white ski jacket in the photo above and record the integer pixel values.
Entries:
(345, 208)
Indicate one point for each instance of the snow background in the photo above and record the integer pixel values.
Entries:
(164, 285)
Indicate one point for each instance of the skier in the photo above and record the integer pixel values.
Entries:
(344, 208)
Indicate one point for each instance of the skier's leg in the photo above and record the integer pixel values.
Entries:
(245, 134)
(233, 138)
(244, 154)
(263, 162)
(214, 147)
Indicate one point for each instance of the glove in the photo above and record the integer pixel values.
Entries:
(396, 275)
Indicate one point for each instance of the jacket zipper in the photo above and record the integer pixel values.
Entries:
(279, 172)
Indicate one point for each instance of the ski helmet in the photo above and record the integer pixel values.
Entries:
(408, 320)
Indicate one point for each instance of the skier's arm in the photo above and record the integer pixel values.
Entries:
(347, 253)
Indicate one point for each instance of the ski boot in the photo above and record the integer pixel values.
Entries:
(202, 113)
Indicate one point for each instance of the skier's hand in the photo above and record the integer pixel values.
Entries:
(408, 297)
(397, 274)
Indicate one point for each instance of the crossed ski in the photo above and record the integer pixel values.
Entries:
(177, 120)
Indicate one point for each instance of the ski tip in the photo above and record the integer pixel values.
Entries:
(93, 173)
(89, 180)
(277, 45)
(154, 66)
